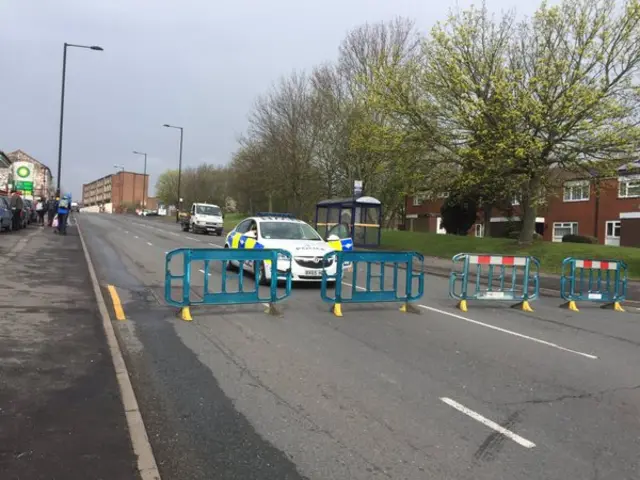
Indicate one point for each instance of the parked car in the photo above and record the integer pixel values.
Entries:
(30, 211)
(5, 215)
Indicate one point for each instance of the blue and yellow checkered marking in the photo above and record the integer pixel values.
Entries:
(344, 245)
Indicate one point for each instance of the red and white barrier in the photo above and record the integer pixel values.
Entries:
(497, 260)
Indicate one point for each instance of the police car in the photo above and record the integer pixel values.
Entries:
(284, 231)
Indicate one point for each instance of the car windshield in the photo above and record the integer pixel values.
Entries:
(207, 210)
(288, 231)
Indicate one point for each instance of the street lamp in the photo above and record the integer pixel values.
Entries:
(179, 170)
(121, 168)
(64, 71)
(144, 180)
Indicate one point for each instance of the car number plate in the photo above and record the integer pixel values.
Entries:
(313, 273)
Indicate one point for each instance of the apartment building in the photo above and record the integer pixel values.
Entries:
(119, 189)
(605, 208)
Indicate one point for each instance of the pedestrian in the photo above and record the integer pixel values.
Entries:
(40, 210)
(63, 214)
(52, 209)
(17, 205)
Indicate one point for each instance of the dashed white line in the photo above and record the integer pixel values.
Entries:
(203, 272)
(135, 236)
(499, 329)
(215, 245)
(191, 238)
(485, 421)
(150, 244)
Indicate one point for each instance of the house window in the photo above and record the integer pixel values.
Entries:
(439, 228)
(628, 187)
(564, 228)
(576, 191)
(479, 230)
(443, 195)
(515, 200)
(613, 229)
(418, 199)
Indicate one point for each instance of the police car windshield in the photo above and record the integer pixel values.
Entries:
(288, 231)
(207, 210)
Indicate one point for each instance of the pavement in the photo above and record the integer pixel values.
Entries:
(61, 415)
(494, 393)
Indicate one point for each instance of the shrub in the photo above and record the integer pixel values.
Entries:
(579, 239)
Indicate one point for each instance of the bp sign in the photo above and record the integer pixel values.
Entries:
(23, 172)
(23, 177)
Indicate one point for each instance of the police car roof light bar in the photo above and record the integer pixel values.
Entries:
(275, 215)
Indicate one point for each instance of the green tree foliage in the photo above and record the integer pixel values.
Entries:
(205, 183)
(484, 105)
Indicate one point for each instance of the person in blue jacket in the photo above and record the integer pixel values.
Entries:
(64, 205)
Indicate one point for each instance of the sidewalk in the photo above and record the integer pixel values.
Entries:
(61, 415)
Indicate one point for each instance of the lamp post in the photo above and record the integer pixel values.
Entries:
(64, 72)
(179, 170)
(121, 168)
(144, 181)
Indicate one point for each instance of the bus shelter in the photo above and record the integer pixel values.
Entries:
(357, 218)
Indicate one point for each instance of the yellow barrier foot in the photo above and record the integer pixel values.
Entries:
(571, 306)
(272, 310)
(185, 314)
(337, 310)
(525, 306)
(462, 305)
(410, 308)
(616, 306)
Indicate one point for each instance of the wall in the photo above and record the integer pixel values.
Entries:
(127, 188)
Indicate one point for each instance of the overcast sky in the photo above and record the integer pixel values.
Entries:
(194, 63)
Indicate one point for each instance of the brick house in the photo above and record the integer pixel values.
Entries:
(42, 179)
(605, 208)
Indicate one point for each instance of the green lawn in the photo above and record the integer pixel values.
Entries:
(550, 254)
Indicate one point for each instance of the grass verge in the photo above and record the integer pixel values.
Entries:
(550, 254)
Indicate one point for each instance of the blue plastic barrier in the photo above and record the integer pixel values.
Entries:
(270, 257)
(379, 291)
(600, 281)
(496, 277)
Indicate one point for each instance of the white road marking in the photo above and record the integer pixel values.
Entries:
(498, 329)
(485, 421)
(203, 272)
(510, 332)
(126, 231)
(150, 244)
(191, 238)
(135, 236)
(215, 245)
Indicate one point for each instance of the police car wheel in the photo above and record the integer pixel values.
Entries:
(230, 266)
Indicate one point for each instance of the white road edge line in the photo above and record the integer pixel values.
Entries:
(147, 465)
(499, 329)
(485, 421)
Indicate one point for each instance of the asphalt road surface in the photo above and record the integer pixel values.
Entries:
(494, 393)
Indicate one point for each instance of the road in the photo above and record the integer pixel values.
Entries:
(493, 393)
